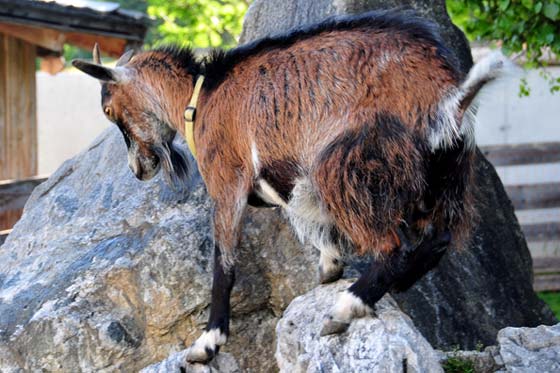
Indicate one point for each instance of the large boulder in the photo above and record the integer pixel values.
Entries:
(530, 349)
(386, 342)
(485, 287)
(106, 272)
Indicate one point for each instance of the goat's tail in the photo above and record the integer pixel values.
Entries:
(455, 119)
(492, 67)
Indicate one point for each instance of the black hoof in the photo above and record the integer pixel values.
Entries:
(330, 276)
(200, 356)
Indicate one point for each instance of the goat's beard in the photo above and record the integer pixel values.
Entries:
(175, 163)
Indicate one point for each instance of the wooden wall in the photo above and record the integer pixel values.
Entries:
(18, 122)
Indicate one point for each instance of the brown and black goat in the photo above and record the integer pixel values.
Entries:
(358, 127)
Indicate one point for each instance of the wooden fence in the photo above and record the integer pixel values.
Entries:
(18, 122)
(14, 194)
(534, 196)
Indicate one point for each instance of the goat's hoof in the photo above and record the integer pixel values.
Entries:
(332, 326)
(326, 277)
(200, 355)
(330, 269)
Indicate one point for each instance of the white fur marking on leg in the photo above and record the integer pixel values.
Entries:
(209, 339)
(329, 251)
(329, 254)
(348, 306)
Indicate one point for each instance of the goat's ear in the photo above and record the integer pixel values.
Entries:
(102, 73)
(125, 57)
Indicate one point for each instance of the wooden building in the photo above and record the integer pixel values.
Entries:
(32, 29)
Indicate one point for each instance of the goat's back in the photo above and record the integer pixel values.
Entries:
(299, 92)
(351, 106)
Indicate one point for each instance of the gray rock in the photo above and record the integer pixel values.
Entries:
(487, 286)
(519, 350)
(104, 272)
(387, 342)
(223, 363)
(530, 350)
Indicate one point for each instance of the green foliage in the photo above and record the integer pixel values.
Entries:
(521, 27)
(71, 52)
(457, 365)
(553, 300)
(200, 23)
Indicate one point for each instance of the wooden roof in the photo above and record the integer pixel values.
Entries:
(50, 24)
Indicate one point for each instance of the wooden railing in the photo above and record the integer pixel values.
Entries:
(534, 196)
(512, 155)
(4, 235)
(13, 195)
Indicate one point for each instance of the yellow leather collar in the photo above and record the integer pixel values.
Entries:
(190, 113)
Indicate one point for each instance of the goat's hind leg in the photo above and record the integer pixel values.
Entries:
(358, 300)
(311, 224)
(331, 266)
(413, 261)
(399, 270)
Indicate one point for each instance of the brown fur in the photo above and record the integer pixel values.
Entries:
(351, 109)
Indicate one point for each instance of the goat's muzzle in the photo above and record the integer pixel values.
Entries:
(144, 168)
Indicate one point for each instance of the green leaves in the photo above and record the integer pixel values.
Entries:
(538, 7)
(504, 4)
(551, 11)
(527, 27)
(200, 23)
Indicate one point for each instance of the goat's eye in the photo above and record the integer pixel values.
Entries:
(108, 112)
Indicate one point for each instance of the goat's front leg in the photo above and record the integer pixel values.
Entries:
(217, 329)
(227, 221)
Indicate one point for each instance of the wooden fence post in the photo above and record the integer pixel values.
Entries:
(18, 118)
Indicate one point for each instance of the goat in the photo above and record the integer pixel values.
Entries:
(359, 127)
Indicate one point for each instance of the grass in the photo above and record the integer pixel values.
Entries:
(553, 300)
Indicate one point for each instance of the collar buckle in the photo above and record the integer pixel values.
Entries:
(190, 113)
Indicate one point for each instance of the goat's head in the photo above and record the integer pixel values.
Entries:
(147, 107)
